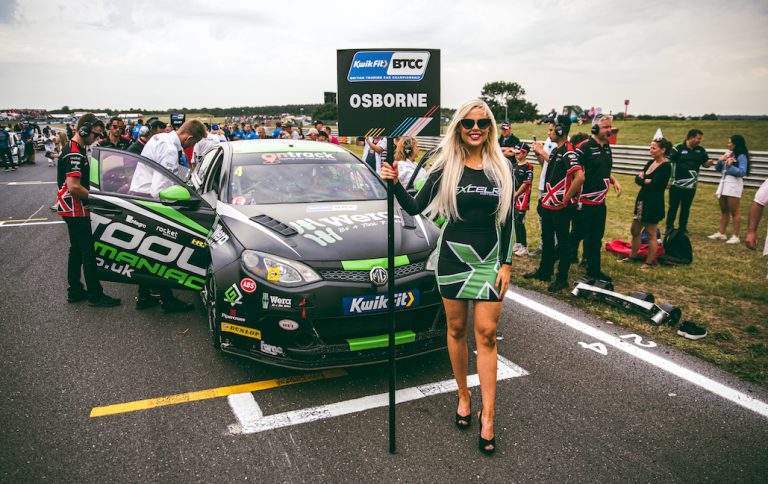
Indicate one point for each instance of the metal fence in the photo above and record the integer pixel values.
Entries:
(630, 160)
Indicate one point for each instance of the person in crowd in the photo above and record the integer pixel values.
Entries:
(508, 142)
(202, 147)
(372, 151)
(73, 180)
(249, 133)
(687, 158)
(278, 129)
(596, 159)
(322, 137)
(70, 131)
(565, 177)
(406, 153)
(331, 137)
(575, 235)
(286, 133)
(734, 165)
(262, 133)
(5, 149)
(136, 129)
(49, 144)
(542, 151)
(28, 139)
(312, 134)
(469, 183)
(147, 131)
(164, 149)
(523, 177)
(649, 205)
(319, 126)
(234, 133)
(755, 213)
(115, 139)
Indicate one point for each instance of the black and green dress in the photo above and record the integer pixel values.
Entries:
(472, 249)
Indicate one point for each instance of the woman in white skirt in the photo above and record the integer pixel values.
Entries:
(735, 166)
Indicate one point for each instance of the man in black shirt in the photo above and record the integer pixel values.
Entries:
(596, 160)
(73, 178)
(115, 139)
(686, 158)
(563, 182)
(508, 141)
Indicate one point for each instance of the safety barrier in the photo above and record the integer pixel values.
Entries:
(630, 160)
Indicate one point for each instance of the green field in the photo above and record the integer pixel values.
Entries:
(724, 290)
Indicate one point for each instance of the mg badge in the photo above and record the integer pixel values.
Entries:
(379, 276)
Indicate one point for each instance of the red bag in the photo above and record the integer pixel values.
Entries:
(623, 249)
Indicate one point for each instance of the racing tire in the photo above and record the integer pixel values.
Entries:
(675, 313)
(643, 296)
(212, 309)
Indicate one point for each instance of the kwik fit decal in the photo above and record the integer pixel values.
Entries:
(379, 302)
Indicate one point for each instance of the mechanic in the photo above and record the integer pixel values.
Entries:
(73, 178)
(755, 213)
(508, 141)
(565, 177)
(115, 139)
(164, 149)
(596, 159)
(5, 150)
(687, 158)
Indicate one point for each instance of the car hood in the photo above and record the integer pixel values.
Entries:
(329, 231)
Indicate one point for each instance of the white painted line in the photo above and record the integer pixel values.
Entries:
(244, 407)
(505, 371)
(708, 384)
(28, 183)
(30, 223)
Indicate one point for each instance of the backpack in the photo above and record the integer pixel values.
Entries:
(677, 248)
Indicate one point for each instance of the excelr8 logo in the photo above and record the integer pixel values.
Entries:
(388, 66)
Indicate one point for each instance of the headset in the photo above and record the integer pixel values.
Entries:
(85, 129)
(596, 128)
(560, 128)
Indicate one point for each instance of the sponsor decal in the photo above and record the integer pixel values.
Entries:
(480, 190)
(240, 200)
(241, 330)
(232, 317)
(265, 301)
(275, 158)
(280, 302)
(199, 243)
(171, 234)
(270, 349)
(273, 274)
(218, 237)
(133, 221)
(233, 295)
(331, 208)
(379, 302)
(120, 269)
(328, 230)
(388, 66)
(122, 243)
(248, 285)
(288, 324)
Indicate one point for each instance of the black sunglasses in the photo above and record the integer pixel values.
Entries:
(468, 124)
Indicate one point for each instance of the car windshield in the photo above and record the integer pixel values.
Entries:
(301, 177)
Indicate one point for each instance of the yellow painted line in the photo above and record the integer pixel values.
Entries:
(213, 393)
(23, 220)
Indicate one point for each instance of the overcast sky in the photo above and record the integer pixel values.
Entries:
(690, 57)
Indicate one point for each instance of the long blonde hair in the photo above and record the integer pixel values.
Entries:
(450, 159)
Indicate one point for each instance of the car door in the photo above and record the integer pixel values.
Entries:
(148, 225)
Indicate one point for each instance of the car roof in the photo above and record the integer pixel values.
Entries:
(281, 145)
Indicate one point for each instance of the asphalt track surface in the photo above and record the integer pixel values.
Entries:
(575, 414)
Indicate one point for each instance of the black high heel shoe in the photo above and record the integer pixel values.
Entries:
(464, 421)
(483, 444)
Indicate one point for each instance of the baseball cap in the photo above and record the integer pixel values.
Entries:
(505, 126)
(215, 127)
(522, 147)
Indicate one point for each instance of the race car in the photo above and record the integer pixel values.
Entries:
(287, 243)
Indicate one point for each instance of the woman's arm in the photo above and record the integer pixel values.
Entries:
(738, 169)
(416, 205)
(658, 182)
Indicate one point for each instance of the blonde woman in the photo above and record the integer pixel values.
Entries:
(470, 183)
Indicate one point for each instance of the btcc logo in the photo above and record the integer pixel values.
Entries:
(407, 63)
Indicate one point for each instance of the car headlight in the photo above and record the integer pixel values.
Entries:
(282, 272)
(431, 261)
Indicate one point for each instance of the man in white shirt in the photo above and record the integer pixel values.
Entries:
(202, 147)
(372, 151)
(165, 149)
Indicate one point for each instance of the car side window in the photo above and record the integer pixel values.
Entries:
(213, 176)
(124, 173)
(200, 173)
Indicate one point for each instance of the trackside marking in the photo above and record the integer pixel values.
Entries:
(23, 220)
(28, 183)
(708, 384)
(213, 393)
(4, 224)
(244, 407)
(251, 423)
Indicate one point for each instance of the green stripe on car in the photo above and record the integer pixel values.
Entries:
(368, 264)
(94, 175)
(174, 214)
(380, 341)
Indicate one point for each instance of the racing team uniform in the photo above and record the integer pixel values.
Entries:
(597, 162)
(5, 149)
(556, 211)
(523, 175)
(73, 162)
(122, 143)
(686, 163)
